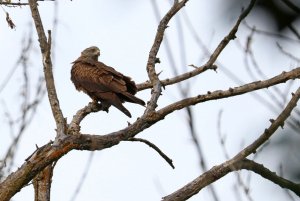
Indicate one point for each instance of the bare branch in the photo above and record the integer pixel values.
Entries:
(178, 78)
(269, 175)
(288, 54)
(74, 127)
(271, 34)
(13, 4)
(219, 171)
(291, 5)
(283, 77)
(27, 111)
(156, 90)
(153, 146)
(47, 63)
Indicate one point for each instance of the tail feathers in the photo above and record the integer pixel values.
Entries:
(109, 98)
(133, 99)
(122, 109)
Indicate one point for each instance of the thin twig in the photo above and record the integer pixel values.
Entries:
(83, 176)
(13, 4)
(288, 54)
(291, 5)
(271, 34)
(240, 183)
(27, 111)
(153, 146)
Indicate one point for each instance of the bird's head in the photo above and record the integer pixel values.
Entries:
(91, 52)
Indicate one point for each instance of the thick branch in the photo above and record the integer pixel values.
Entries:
(47, 63)
(219, 171)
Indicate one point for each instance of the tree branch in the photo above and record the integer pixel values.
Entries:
(74, 126)
(219, 94)
(45, 47)
(269, 175)
(221, 170)
(13, 4)
(155, 83)
(153, 146)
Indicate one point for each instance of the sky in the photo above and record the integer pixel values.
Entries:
(124, 32)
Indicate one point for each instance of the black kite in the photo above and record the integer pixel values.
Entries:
(103, 83)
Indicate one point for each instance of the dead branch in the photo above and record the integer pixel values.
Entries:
(153, 146)
(269, 175)
(283, 77)
(45, 47)
(219, 171)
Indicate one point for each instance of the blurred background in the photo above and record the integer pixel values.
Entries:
(196, 138)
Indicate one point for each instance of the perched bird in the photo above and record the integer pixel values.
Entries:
(103, 83)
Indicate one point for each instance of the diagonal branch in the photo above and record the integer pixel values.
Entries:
(221, 170)
(45, 47)
(268, 174)
(153, 146)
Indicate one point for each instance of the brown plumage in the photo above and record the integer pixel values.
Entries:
(101, 82)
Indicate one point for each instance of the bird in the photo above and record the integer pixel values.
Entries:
(103, 83)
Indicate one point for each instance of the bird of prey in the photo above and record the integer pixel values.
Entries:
(103, 83)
